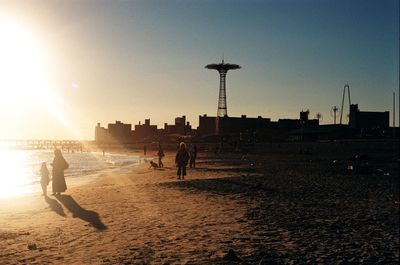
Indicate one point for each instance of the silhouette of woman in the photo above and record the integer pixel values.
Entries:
(59, 165)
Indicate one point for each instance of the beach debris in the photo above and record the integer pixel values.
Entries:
(334, 163)
(32, 246)
(382, 172)
(364, 168)
(359, 164)
(231, 256)
(360, 157)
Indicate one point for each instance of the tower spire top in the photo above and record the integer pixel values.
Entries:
(222, 57)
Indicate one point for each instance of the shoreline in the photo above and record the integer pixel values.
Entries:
(94, 167)
(276, 206)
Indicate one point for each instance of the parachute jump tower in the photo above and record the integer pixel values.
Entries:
(222, 69)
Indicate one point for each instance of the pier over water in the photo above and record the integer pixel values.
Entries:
(66, 145)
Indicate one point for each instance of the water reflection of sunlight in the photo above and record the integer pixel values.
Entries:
(14, 176)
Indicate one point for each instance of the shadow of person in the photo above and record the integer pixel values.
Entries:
(55, 206)
(77, 211)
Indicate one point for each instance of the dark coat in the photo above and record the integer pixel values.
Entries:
(182, 157)
(59, 165)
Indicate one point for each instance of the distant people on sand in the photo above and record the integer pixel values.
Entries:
(160, 155)
(59, 165)
(193, 156)
(181, 160)
(44, 178)
(145, 149)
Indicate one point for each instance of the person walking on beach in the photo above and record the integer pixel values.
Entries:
(59, 165)
(193, 155)
(181, 160)
(44, 178)
(145, 149)
(160, 155)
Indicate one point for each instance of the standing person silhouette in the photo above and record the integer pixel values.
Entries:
(160, 155)
(193, 156)
(181, 160)
(59, 165)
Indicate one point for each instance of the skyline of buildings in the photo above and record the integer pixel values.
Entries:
(361, 124)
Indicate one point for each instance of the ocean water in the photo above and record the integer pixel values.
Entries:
(20, 169)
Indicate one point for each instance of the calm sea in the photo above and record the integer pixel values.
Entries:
(20, 169)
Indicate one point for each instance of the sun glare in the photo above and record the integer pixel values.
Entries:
(23, 65)
(25, 76)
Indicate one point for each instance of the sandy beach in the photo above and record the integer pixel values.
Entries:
(280, 204)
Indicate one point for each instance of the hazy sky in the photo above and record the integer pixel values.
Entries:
(102, 61)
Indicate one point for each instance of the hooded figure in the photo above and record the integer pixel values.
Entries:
(59, 165)
(181, 160)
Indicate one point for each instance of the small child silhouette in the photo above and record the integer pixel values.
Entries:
(44, 178)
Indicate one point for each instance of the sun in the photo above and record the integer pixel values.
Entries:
(23, 66)
(27, 79)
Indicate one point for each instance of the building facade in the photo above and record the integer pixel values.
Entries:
(180, 127)
(117, 132)
(239, 125)
(145, 131)
(368, 121)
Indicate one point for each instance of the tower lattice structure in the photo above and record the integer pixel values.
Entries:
(222, 69)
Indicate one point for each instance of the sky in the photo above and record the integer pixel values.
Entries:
(67, 65)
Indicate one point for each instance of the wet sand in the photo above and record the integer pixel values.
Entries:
(281, 204)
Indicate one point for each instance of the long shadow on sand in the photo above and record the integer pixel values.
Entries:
(224, 186)
(227, 169)
(77, 211)
(55, 206)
